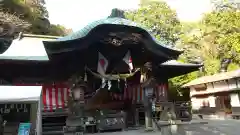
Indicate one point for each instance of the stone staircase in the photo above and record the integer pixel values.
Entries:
(53, 128)
(53, 125)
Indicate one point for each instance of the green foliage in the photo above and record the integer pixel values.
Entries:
(159, 19)
(233, 66)
(216, 37)
(226, 25)
(183, 79)
(57, 30)
(211, 66)
(35, 13)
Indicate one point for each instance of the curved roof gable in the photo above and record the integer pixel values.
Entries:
(113, 21)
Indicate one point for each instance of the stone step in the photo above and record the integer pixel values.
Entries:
(52, 133)
(55, 128)
(53, 124)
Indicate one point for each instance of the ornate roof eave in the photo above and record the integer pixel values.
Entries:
(174, 68)
(66, 43)
(179, 64)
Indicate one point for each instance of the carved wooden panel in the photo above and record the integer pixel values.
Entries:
(121, 38)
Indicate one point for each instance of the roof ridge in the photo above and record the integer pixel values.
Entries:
(214, 78)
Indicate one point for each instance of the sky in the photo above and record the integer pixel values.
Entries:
(76, 14)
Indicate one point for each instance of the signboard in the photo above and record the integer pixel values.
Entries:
(8, 108)
(24, 128)
(15, 112)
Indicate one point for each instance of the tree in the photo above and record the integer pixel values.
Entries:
(9, 24)
(225, 4)
(34, 12)
(213, 39)
(159, 19)
(58, 30)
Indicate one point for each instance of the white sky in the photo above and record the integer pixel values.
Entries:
(76, 14)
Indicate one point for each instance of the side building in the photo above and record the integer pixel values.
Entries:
(216, 94)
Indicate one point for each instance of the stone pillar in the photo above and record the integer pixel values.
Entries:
(75, 122)
(148, 84)
(148, 115)
(148, 110)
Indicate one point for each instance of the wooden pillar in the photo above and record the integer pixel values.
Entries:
(33, 115)
(137, 117)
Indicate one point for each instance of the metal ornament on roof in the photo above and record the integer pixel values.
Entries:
(120, 38)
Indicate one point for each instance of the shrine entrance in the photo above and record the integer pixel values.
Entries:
(223, 104)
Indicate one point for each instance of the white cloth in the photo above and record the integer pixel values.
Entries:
(102, 64)
(20, 93)
(128, 59)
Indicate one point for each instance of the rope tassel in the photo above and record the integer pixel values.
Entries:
(85, 77)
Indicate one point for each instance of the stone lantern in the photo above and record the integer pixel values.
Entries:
(75, 123)
(149, 87)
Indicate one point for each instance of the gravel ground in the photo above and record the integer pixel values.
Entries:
(214, 127)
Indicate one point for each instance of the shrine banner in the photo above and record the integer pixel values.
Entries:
(136, 93)
(55, 97)
(161, 92)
